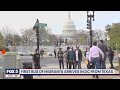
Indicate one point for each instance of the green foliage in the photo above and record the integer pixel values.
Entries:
(118, 51)
(114, 35)
(2, 41)
(16, 39)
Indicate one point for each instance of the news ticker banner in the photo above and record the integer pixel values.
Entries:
(18, 72)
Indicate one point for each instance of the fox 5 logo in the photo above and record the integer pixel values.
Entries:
(11, 71)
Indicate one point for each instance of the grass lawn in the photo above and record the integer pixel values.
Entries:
(11, 53)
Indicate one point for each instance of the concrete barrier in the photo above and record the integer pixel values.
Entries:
(11, 61)
(1, 67)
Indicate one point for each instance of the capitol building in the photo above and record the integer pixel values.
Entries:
(69, 30)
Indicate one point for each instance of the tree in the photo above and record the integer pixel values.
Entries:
(16, 39)
(2, 41)
(52, 39)
(7, 31)
(98, 35)
(10, 35)
(113, 32)
(28, 37)
(44, 35)
(81, 37)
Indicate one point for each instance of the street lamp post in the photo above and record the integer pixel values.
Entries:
(89, 25)
(36, 26)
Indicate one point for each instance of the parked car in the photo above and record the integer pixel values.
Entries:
(32, 53)
(25, 53)
(50, 53)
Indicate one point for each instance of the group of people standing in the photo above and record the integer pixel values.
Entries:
(73, 58)
(96, 56)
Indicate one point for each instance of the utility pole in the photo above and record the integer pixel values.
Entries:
(89, 25)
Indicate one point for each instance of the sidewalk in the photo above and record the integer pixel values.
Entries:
(76, 76)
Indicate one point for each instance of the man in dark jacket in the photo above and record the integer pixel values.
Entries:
(66, 56)
(78, 58)
(36, 59)
(60, 58)
(71, 58)
(104, 48)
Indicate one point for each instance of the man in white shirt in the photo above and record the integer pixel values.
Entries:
(94, 57)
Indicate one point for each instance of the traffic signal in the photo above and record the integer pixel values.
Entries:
(88, 24)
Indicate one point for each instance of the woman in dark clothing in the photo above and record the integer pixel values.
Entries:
(111, 56)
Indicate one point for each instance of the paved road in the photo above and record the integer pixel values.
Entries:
(46, 61)
(52, 63)
(49, 61)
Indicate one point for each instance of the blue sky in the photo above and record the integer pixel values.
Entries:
(18, 20)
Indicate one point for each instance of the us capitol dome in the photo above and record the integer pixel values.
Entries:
(69, 29)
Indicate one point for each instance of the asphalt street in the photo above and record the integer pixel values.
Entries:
(50, 61)
(47, 62)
